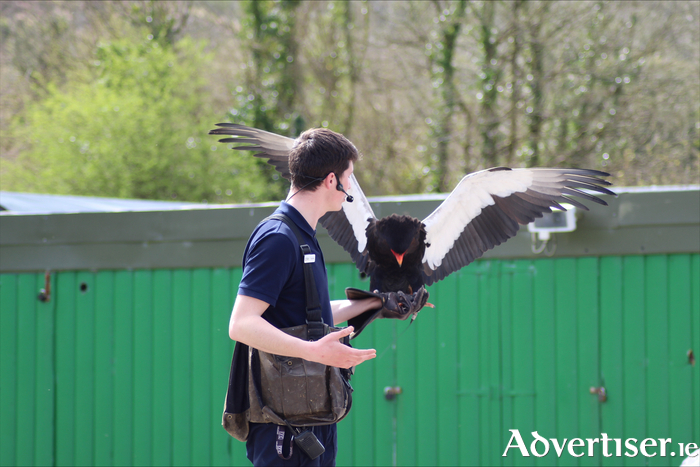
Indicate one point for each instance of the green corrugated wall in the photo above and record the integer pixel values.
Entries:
(130, 367)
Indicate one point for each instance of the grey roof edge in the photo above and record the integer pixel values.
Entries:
(638, 221)
(16, 203)
(138, 205)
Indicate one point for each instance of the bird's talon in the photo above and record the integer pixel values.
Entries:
(429, 305)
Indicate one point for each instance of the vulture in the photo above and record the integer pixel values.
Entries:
(402, 253)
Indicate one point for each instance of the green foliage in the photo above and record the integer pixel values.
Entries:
(163, 20)
(267, 98)
(427, 91)
(136, 129)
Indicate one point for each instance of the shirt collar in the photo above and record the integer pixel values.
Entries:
(296, 217)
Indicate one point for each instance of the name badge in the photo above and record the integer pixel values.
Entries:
(309, 258)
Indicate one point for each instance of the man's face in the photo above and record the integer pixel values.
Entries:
(345, 180)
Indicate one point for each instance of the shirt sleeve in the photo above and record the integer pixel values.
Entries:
(267, 268)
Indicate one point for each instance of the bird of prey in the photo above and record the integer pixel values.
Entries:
(402, 253)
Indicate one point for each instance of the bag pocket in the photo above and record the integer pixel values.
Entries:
(294, 387)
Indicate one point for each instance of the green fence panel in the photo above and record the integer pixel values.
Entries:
(657, 382)
(588, 318)
(612, 364)
(407, 350)
(695, 340)
(124, 357)
(470, 390)
(520, 389)
(634, 351)
(130, 367)
(447, 371)
(427, 382)
(8, 368)
(546, 350)
(680, 335)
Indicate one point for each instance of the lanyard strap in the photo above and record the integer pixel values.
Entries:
(279, 443)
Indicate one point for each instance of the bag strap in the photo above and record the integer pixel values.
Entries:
(314, 319)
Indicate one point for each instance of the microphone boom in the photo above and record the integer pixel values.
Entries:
(348, 198)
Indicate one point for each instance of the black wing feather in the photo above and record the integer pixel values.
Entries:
(488, 207)
(275, 148)
(340, 230)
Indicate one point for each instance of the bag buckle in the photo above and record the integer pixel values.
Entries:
(315, 330)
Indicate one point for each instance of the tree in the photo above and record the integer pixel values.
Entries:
(444, 73)
(491, 72)
(136, 129)
(270, 94)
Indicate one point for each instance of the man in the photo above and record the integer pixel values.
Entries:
(272, 295)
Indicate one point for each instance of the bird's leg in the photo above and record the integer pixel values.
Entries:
(430, 305)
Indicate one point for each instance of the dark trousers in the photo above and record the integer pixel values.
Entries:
(261, 451)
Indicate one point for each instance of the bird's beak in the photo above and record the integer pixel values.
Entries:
(399, 257)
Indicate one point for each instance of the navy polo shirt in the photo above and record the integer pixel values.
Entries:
(273, 270)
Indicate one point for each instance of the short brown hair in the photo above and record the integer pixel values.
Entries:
(318, 152)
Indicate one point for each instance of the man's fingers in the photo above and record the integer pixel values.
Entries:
(366, 353)
(361, 355)
(350, 357)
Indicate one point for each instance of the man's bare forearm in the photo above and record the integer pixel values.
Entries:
(248, 326)
(344, 310)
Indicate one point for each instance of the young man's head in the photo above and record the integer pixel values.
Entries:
(316, 154)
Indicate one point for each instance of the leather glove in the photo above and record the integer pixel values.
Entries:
(395, 305)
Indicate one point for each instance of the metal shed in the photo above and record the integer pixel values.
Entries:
(123, 358)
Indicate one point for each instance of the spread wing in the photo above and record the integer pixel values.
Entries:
(275, 148)
(486, 208)
(348, 226)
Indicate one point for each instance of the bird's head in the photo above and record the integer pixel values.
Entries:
(396, 236)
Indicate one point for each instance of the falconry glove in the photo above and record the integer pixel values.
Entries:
(395, 305)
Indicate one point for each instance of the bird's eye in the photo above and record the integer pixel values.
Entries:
(427, 245)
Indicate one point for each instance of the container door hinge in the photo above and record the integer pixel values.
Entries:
(45, 293)
(601, 392)
(390, 392)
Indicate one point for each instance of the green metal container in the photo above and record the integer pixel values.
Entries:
(124, 359)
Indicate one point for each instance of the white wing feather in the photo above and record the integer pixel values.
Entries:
(473, 193)
(358, 213)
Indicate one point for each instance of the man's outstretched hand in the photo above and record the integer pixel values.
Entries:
(329, 350)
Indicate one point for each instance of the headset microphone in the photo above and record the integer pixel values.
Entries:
(348, 198)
